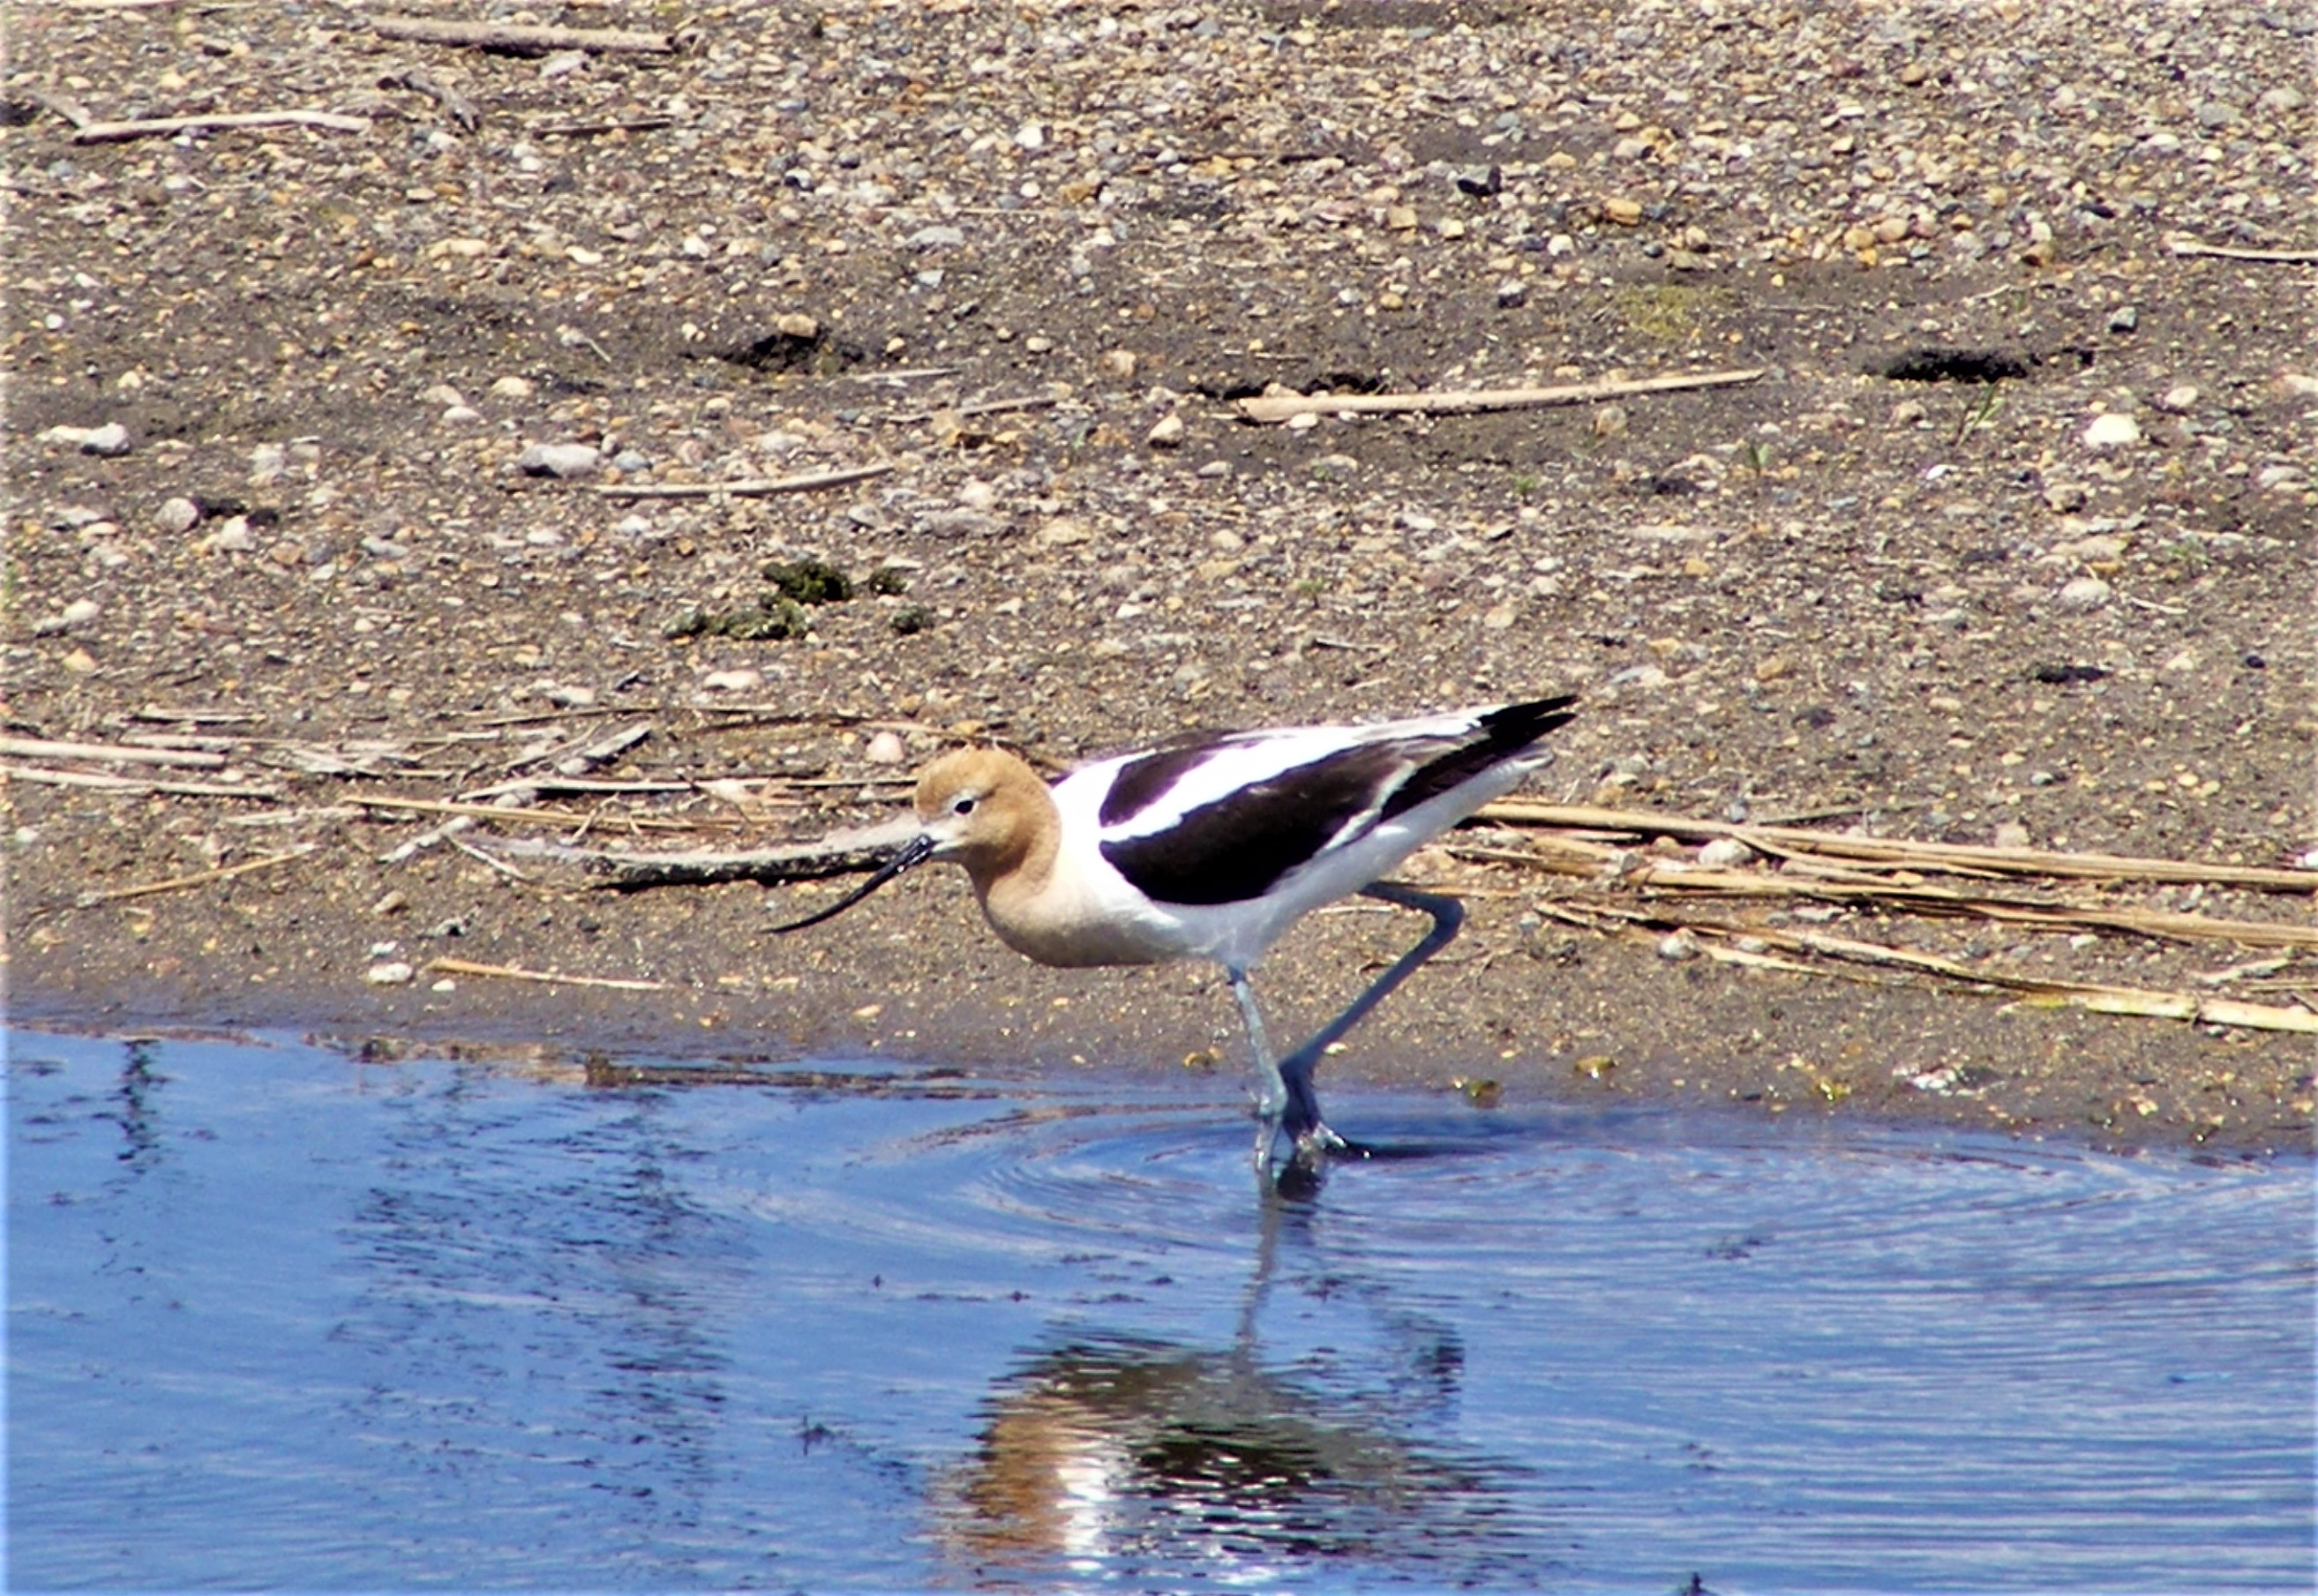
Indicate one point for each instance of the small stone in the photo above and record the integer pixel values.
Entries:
(517, 388)
(231, 537)
(1168, 433)
(394, 902)
(1772, 668)
(1400, 219)
(441, 394)
(459, 415)
(1500, 618)
(886, 747)
(2062, 497)
(732, 681)
(111, 439)
(1621, 211)
(2125, 318)
(1512, 293)
(2011, 834)
(1610, 421)
(1908, 412)
(2083, 594)
(2179, 399)
(178, 515)
(1480, 181)
(2112, 429)
(80, 662)
(569, 697)
(393, 972)
(1725, 853)
(559, 459)
(937, 237)
(1063, 532)
(796, 324)
(1679, 946)
(1119, 363)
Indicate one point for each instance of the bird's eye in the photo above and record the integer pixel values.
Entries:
(961, 806)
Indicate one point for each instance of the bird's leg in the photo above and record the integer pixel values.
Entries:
(1302, 1118)
(1270, 1091)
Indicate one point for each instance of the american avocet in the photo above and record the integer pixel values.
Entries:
(1213, 847)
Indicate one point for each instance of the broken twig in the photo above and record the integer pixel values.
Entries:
(520, 38)
(746, 487)
(163, 127)
(837, 853)
(41, 747)
(549, 977)
(2233, 252)
(1462, 402)
(132, 783)
(1967, 857)
(198, 879)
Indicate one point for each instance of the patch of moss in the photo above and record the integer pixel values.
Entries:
(774, 618)
(1668, 312)
(809, 581)
(911, 619)
(887, 580)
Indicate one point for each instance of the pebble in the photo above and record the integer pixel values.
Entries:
(1678, 946)
(2065, 496)
(2112, 429)
(2179, 399)
(886, 747)
(109, 440)
(80, 662)
(79, 613)
(1168, 433)
(2083, 594)
(2125, 318)
(1726, 853)
(178, 515)
(796, 324)
(568, 697)
(2011, 834)
(1610, 421)
(232, 537)
(393, 972)
(732, 681)
(520, 388)
(559, 459)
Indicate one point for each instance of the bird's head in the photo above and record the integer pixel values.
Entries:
(983, 807)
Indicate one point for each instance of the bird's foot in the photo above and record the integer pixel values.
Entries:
(1320, 1144)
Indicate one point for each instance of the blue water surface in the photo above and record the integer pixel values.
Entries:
(280, 1316)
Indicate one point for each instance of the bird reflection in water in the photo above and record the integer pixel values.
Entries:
(1114, 1456)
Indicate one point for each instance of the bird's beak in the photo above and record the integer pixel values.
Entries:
(915, 852)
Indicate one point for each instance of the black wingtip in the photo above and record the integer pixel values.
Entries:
(1517, 725)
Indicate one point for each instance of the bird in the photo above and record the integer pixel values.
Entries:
(1211, 847)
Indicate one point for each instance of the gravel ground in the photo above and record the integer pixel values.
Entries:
(2010, 543)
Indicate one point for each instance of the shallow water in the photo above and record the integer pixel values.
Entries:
(280, 1317)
